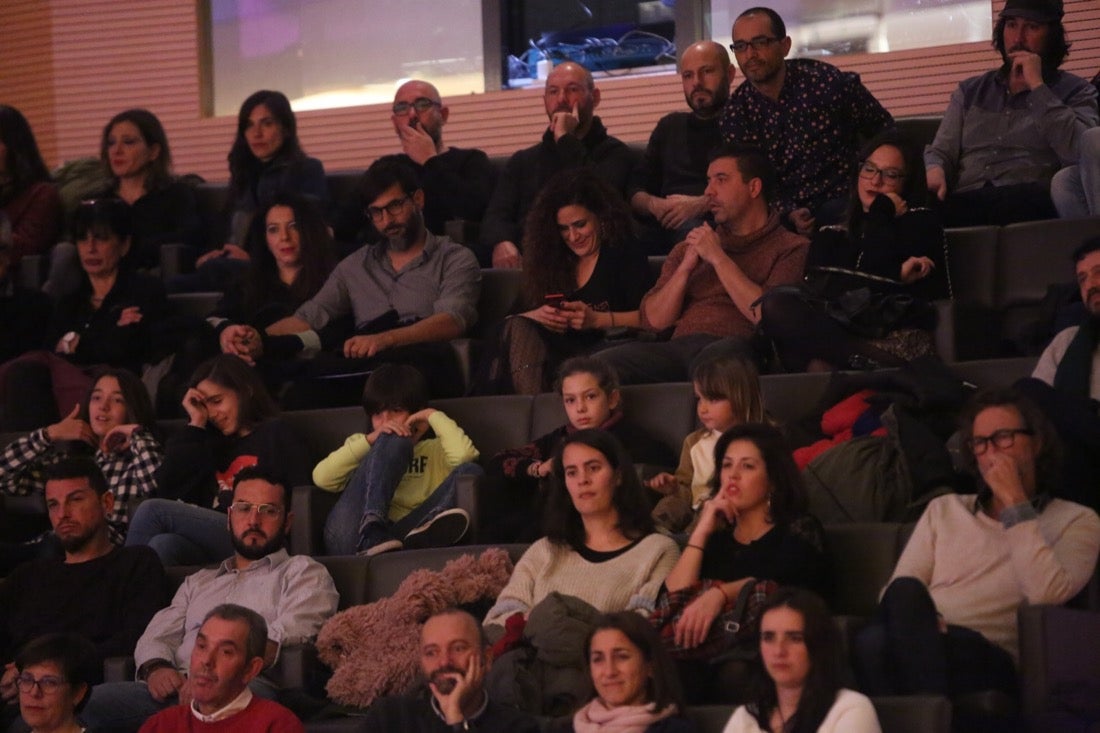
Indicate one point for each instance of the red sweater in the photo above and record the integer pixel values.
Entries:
(261, 716)
(769, 256)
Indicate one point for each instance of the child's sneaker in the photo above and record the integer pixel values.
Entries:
(383, 546)
(442, 530)
(377, 539)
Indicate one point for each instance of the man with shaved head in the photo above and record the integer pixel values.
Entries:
(457, 182)
(667, 186)
(574, 138)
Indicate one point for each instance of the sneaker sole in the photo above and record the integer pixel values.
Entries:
(444, 530)
(386, 546)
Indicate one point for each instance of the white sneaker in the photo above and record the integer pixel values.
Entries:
(383, 546)
(443, 530)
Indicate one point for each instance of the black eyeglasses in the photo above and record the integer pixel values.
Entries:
(1005, 438)
(869, 170)
(420, 104)
(48, 684)
(393, 208)
(758, 44)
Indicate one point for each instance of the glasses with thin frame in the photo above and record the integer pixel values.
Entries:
(869, 170)
(245, 508)
(420, 104)
(1003, 439)
(47, 684)
(758, 44)
(393, 208)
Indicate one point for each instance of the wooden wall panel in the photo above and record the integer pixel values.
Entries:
(71, 64)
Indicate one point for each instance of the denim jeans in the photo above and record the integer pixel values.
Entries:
(366, 499)
(181, 534)
(1076, 188)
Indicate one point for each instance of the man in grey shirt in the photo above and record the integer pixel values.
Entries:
(295, 595)
(407, 296)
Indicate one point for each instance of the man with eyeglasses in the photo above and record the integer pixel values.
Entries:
(808, 116)
(407, 296)
(574, 138)
(98, 590)
(1006, 132)
(293, 593)
(457, 182)
(946, 624)
(666, 188)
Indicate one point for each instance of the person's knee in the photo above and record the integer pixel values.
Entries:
(904, 591)
(1089, 145)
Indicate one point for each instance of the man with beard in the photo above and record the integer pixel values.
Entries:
(808, 117)
(1066, 384)
(1007, 132)
(454, 657)
(103, 592)
(228, 654)
(294, 594)
(667, 186)
(407, 295)
(457, 181)
(574, 138)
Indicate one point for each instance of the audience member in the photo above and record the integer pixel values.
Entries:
(727, 393)
(667, 185)
(28, 199)
(583, 277)
(229, 652)
(102, 592)
(801, 651)
(807, 116)
(56, 673)
(24, 313)
(711, 282)
(454, 657)
(135, 155)
(590, 394)
(408, 295)
(634, 679)
(892, 248)
(1076, 188)
(397, 484)
(753, 528)
(600, 545)
(293, 593)
(574, 138)
(946, 623)
(457, 182)
(115, 421)
(232, 424)
(1006, 132)
(266, 159)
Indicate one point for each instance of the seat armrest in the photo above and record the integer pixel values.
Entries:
(311, 506)
(172, 257)
(296, 666)
(468, 497)
(1059, 665)
(119, 669)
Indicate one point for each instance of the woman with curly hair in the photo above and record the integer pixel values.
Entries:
(583, 276)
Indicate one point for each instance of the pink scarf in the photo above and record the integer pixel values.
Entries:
(595, 717)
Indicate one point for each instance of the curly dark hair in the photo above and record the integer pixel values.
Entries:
(243, 165)
(561, 520)
(1048, 464)
(788, 494)
(24, 164)
(317, 254)
(549, 266)
(914, 188)
(159, 171)
(822, 683)
(1054, 51)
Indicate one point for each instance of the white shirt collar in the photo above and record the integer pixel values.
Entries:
(237, 705)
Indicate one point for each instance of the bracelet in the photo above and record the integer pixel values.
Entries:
(694, 547)
(725, 596)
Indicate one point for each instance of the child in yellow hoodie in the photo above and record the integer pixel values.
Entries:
(398, 485)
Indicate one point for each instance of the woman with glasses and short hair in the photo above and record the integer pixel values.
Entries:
(866, 297)
(55, 673)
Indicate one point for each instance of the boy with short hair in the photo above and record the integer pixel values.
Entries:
(398, 484)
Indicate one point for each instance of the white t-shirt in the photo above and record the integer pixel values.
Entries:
(851, 713)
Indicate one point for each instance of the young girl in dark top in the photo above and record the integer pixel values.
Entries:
(232, 423)
(890, 245)
(583, 275)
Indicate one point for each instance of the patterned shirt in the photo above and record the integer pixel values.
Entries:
(811, 134)
(129, 474)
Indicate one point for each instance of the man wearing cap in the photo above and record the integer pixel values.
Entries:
(1006, 132)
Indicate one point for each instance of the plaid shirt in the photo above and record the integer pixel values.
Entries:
(129, 474)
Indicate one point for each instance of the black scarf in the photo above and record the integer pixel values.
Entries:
(1074, 372)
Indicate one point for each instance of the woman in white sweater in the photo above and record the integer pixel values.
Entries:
(800, 649)
(599, 545)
